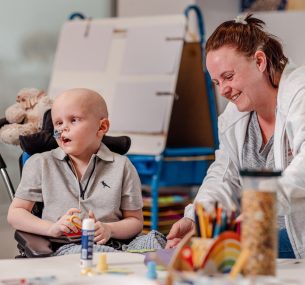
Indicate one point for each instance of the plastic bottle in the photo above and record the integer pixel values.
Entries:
(87, 243)
(259, 221)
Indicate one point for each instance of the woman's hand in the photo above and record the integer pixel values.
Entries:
(178, 231)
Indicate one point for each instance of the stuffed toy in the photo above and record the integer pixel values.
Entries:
(25, 116)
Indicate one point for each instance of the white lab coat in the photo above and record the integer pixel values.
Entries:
(222, 182)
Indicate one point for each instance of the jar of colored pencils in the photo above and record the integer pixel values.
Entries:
(259, 221)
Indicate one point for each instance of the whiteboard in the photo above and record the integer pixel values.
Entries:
(133, 63)
(144, 100)
(288, 26)
(85, 40)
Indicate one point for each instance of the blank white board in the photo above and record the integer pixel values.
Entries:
(133, 63)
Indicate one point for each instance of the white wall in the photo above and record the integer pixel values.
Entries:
(288, 26)
(29, 31)
(130, 8)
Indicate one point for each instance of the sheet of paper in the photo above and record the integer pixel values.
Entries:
(152, 50)
(138, 107)
(83, 45)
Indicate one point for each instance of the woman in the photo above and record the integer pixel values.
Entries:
(263, 126)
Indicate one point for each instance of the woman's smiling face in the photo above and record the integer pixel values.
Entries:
(239, 78)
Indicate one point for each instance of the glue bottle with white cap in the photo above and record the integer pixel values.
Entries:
(87, 243)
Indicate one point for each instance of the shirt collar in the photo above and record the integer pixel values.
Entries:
(104, 153)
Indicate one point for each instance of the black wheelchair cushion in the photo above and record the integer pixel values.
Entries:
(38, 142)
(119, 145)
(33, 245)
(3, 121)
(44, 140)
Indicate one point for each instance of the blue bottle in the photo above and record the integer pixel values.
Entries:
(87, 243)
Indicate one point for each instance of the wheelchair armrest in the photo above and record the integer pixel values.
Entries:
(33, 245)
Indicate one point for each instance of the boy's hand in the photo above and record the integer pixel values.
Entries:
(102, 231)
(64, 224)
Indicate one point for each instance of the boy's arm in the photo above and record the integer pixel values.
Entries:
(128, 227)
(21, 218)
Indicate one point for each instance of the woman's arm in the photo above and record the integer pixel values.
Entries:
(291, 192)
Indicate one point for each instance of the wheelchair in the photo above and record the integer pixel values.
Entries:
(32, 245)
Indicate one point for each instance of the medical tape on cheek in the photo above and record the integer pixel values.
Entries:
(57, 134)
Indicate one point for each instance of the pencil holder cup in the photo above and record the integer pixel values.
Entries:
(259, 221)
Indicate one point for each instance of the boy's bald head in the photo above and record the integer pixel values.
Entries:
(87, 99)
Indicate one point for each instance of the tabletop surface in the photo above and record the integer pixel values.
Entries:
(67, 270)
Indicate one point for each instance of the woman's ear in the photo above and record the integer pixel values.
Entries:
(104, 126)
(261, 60)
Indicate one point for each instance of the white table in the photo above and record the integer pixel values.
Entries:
(292, 271)
(67, 270)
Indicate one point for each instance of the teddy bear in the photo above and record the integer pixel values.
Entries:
(25, 116)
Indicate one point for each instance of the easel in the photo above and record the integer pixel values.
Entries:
(155, 89)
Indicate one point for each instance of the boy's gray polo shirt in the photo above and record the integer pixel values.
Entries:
(114, 185)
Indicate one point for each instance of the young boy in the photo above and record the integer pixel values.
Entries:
(81, 177)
